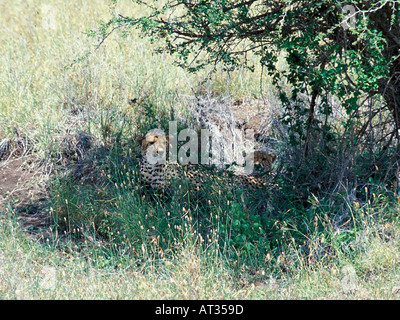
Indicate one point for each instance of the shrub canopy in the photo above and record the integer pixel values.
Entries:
(349, 50)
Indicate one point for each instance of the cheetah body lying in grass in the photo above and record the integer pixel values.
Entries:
(158, 175)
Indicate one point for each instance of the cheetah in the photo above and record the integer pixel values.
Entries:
(157, 174)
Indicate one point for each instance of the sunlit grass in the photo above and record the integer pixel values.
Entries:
(117, 243)
(34, 269)
(40, 42)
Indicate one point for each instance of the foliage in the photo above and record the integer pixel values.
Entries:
(332, 67)
(307, 239)
(323, 56)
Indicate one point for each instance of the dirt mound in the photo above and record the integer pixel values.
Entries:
(13, 178)
(20, 187)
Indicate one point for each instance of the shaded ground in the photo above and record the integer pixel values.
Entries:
(21, 190)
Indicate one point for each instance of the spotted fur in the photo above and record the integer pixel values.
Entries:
(157, 175)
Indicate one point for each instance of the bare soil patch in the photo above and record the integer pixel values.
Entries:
(21, 189)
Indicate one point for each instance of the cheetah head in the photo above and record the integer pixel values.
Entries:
(154, 145)
(264, 159)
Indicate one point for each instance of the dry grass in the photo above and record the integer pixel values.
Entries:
(48, 99)
(32, 269)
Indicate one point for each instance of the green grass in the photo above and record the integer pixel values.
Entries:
(114, 239)
(60, 268)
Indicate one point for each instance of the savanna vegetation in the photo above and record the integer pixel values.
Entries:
(82, 80)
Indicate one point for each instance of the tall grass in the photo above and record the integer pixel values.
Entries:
(112, 237)
(40, 83)
(57, 267)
